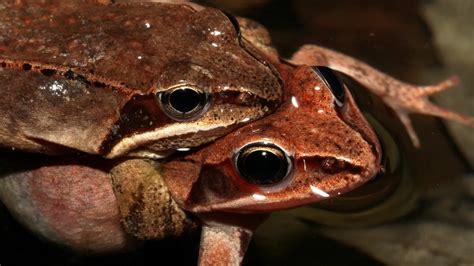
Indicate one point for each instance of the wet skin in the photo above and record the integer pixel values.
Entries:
(326, 148)
(48, 110)
(95, 79)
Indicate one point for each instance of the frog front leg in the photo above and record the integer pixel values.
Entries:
(226, 236)
(402, 97)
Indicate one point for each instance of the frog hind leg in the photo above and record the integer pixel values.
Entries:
(402, 97)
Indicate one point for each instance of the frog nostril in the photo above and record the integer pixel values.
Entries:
(184, 102)
(262, 164)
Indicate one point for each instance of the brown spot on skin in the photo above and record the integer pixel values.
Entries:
(134, 219)
(26, 67)
(47, 72)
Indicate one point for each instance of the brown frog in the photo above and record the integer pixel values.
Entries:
(141, 194)
(316, 146)
(96, 79)
(87, 78)
(71, 201)
(220, 183)
(295, 156)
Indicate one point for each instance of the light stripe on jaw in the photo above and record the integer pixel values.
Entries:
(130, 143)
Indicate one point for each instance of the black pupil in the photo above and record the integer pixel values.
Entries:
(184, 100)
(334, 83)
(262, 167)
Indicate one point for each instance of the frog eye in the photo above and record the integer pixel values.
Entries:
(184, 102)
(334, 84)
(262, 164)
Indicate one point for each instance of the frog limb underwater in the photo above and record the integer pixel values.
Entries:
(402, 97)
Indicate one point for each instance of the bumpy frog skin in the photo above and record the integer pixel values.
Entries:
(331, 148)
(87, 78)
(329, 156)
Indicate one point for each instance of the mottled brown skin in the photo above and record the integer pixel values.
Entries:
(147, 209)
(84, 78)
(332, 148)
(222, 244)
(56, 68)
(76, 76)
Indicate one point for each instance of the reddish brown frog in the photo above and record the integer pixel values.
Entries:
(316, 146)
